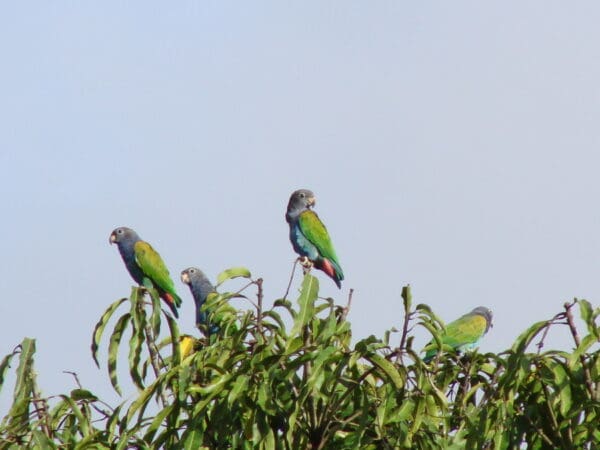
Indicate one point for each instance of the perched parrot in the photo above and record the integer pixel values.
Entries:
(200, 287)
(186, 345)
(203, 290)
(309, 236)
(145, 265)
(464, 333)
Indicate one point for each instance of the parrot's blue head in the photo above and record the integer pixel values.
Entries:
(198, 282)
(123, 235)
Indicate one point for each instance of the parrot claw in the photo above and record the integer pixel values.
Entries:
(306, 264)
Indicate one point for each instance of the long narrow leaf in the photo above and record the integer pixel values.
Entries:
(306, 302)
(113, 349)
(18, 416)
(101, 325)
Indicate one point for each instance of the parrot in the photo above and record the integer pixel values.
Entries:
(464, 333)
(186, 345)
(200, 287)
(145, 265)
(310, 238)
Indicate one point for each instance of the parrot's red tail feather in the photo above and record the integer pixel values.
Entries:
(328, 268)
(171, 302)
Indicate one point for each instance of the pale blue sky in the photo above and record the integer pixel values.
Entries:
(451, 145)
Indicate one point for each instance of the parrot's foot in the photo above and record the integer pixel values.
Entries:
(306, 264)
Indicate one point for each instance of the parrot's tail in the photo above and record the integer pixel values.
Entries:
(173, 301)
(333, 270)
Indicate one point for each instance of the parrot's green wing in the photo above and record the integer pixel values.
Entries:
(461, 334)
(153, 266)
(465, 330)
(314, 230)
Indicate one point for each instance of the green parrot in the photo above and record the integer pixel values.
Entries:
(464, 333)
(309, 237)
(145, 265)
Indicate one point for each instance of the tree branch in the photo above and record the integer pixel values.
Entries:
(586, 371)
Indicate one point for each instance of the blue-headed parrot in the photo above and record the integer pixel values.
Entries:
(145, 265)
(200, 286)
(202, 290)
(309, 237)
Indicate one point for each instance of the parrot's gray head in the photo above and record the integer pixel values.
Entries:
(123, 234)
(300, 200)
(199, 284)
(487, 315)
(193, 275)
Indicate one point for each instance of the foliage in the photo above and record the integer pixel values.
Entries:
(290, 377)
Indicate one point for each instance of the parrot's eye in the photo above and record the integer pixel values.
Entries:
(302, 195)
(191, 270)
(120, 231)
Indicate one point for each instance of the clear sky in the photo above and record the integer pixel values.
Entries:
(451, 145)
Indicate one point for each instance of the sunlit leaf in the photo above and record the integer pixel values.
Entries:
(234, 272)
(306, 303)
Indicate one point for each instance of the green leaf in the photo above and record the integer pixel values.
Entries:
(174, 331)
(584, 346)
(588, 315)
(306, 301)
(406, 409)
(42, 442)
(234, 272)
(83, 422)
(239, 386)
(138, 406)
(192, 439)
(155, 316)
(18, 415)
(136, 340)
(388, 369)
(526, 337)
(83, 394)
(407, 298)
(157, 422)
(113, 349)
(99, 328)
(4, 365)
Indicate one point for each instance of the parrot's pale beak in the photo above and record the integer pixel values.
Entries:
(185, 277)
(112, 239)
(312, 201)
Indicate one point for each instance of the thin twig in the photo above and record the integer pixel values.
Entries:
(346, 309)
(407, 317)
(93, 403)
(550, 410)
(41, 407)
(540, 344)
(243, 288)
(154, 353)
(74, 375)
(154, 358)
(586, 371)
(287, 291)
(259, 299)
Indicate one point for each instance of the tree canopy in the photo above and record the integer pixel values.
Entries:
(292, 377)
